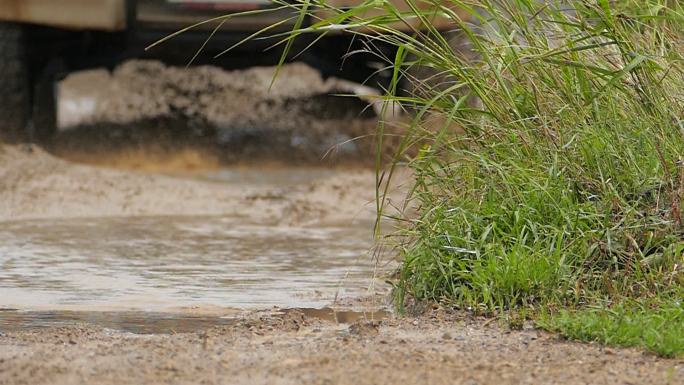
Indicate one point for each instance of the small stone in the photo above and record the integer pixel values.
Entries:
(446, 336)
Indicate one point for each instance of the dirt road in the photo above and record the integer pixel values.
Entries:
(34, 184)
(268, 347)
(293, 349)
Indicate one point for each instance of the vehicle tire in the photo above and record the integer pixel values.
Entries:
(43, 123)
(15, 84)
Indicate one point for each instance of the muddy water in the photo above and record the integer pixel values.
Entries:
(159, 323)
(167, 263)
(274, 176)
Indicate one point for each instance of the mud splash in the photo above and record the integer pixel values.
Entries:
(230, 115)
(144, 89)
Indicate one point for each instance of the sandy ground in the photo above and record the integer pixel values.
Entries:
(293, 349)
(34, 184)
(266, 347)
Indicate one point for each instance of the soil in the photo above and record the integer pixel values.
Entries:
(35, 184)
(263, 348)
(236, 115)
(271, 347)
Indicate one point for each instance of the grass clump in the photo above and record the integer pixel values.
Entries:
(564, 190)
(566, 185)
(657, 327)
(548, 157)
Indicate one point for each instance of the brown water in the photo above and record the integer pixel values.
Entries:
(155, 322)
(167, 264)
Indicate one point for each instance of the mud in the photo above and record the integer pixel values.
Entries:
(145, 322)
(293, 348)
(34, 184)
(236, 115)
(165, 263)
(143, 89)
(221, 345)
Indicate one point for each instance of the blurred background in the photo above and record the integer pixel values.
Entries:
(186, 174)
(77, 79)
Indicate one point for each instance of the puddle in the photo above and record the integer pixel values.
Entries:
(154, 322)
(344, 316)
(158, 264)
(273, 176)
(132, 322)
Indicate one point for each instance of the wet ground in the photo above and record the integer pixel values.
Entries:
(165, 266)
(82, 239)
(192, 320)
(167, 263)
(140, 278)
(293, 348)
(185, 251)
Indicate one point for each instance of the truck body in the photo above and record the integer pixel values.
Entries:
(118, 15)
(43, 40)
(102, 15)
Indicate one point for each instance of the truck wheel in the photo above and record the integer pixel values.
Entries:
(15, 88)
(43, 123)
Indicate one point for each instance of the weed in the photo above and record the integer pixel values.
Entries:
(548, 159)
(658, 326)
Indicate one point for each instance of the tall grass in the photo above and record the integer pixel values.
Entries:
(548, 154)
(567, 185)
(564, 179)
(550, 170)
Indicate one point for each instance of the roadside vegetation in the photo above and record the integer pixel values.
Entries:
(548, 157)
(560, 198)
(549, 168)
